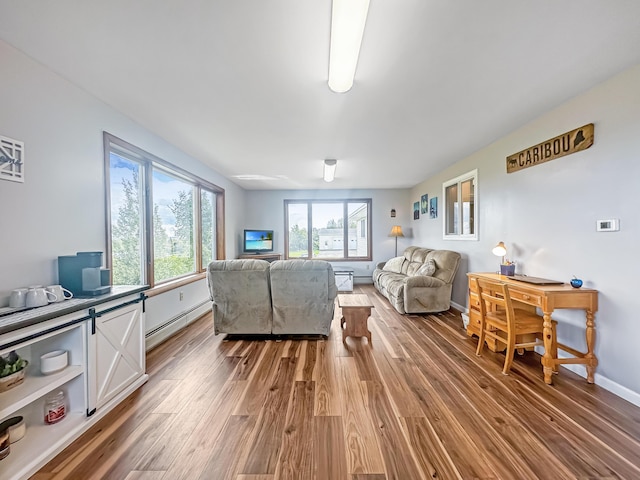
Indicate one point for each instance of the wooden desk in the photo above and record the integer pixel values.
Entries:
(547, 298)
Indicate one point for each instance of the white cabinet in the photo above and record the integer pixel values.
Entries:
(42, 441)
(106, 350)
(344, 278)
(117, 353)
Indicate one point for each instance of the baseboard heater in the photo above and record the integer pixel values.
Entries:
(163, 331)
(362, 279)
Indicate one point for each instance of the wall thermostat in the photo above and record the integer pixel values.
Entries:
(611, 225)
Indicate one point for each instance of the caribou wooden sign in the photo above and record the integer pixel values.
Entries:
(565, 144)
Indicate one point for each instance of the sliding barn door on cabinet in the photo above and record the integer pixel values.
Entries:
(118, 351)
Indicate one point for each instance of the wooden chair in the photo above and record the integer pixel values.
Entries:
(498, 315)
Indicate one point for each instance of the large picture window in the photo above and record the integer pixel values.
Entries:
(164, 223)
(461, 207)
(328, 229)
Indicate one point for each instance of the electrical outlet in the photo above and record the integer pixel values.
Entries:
(181, 296)
(611, 225)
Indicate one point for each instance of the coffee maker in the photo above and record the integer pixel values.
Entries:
(83, 274)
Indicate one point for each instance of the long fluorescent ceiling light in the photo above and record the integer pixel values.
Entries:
(348, 18)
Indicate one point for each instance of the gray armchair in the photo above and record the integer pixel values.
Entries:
(241, 298)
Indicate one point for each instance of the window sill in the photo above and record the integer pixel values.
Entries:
(165, 287)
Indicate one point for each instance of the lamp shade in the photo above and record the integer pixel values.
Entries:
(329, 170)
(396, 231)
(499, 250)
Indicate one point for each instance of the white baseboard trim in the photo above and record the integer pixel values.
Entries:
(600, 380)
(457, 306)
(607, 384)
(171, 326)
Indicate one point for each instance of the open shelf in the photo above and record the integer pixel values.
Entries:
(90, 368)
(34, 387)
(40, 443)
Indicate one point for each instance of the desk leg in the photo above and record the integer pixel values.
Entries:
(591, 360)
(548, 361)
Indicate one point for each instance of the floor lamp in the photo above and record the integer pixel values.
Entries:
(396, 231)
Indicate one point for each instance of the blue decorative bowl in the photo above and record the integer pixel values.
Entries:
(576, 282)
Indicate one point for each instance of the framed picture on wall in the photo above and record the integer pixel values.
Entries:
(11, 159)
(433, 207)
(416, 210)
(424, 204)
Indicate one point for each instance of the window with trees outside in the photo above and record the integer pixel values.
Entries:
(461, 207)
(328, 229)
(164, 222)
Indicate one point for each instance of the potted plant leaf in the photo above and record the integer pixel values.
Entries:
(12, 369)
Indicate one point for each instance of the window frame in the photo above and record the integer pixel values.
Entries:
(345, 209)
(148, 162)
(459, 180)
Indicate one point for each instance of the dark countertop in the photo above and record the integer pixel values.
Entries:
(25, 318)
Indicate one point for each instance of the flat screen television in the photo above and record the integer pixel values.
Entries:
(258, 241)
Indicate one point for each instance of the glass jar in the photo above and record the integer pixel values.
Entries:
(4, 444)
(55, 407)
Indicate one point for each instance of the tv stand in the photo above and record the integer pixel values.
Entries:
(269, 257)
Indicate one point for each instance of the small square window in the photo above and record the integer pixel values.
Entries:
(461, 207)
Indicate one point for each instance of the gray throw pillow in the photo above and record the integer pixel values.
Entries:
(426, 270)
(394, 265)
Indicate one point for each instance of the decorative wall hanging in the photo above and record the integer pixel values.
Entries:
(11, 159)
(416, 210)
(565, 144)
(424, 204)
(433, 207)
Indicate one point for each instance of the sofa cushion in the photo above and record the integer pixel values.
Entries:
(394, 284)
(427, 269)
(394, 265)
(415, 258)
(446, 264)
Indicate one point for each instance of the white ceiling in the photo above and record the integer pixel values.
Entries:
(241, 84)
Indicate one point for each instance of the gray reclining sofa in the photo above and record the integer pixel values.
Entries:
(283, 297)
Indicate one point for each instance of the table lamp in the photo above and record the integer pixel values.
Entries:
(500, 251)
(396, 231)
(506, 267)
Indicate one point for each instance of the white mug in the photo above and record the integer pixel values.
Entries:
(18, 298)
(60, 292)
(38, 297)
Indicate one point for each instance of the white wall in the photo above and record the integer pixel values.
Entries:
(269, 214)
(60, 208)
(546, 215)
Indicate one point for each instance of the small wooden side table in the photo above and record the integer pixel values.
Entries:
(356, 309)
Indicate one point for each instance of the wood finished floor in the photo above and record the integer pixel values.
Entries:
(415, 404)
